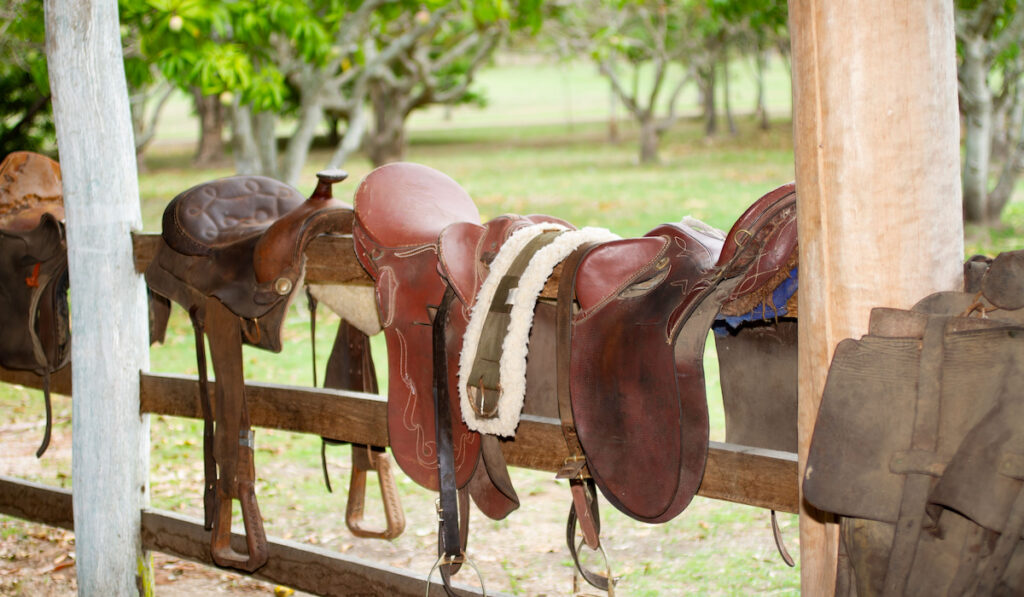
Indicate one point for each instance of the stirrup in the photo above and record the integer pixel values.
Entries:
(443, 560)
(780, 545)
(365, 459)
(578, 572)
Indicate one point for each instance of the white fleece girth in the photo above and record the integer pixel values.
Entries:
(515, 346)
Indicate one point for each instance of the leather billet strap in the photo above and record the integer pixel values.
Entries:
(449, 542)
(584, 508)
(575, 465)
(924, 442)
(584, 492)
(209, 464)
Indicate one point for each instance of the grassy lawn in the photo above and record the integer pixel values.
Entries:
(539, 147)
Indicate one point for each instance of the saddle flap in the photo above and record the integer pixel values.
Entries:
(608, 269)
(404, 204)
(863, 435)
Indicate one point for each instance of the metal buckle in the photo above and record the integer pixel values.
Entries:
(572, 468)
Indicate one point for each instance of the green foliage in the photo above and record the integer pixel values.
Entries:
(26, 122)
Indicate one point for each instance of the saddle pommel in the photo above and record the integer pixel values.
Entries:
(327, 179)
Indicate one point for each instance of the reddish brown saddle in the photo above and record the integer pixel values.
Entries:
(34, 331)
(231, 253)
(632, 319)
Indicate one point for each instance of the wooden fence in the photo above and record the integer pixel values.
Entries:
(762, 478)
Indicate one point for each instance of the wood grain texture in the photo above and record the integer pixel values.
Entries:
(36, 502)
(108, 297)
(876, 136)
(739, 474)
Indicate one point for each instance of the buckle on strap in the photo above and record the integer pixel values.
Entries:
(574, 467)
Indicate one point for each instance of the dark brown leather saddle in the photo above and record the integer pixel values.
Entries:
(232, 254)
(919, 443)
(34, 331)
(621, 347)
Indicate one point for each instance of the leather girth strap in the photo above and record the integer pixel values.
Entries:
(584, 507)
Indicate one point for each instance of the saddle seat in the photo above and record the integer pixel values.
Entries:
(240, 239)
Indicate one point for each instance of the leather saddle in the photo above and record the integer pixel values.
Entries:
(622, 346)
(35, 334)
(232, 254)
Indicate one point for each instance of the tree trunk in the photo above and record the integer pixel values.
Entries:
(266, 142)
(977, 108)
(761, 107)
(311, 113)
(706, 83)
(354, 134)
(650, 138)
(613, 116)
(1012, 166)
(725, 92)
(210, 148)
(386, 142)
(243, 140)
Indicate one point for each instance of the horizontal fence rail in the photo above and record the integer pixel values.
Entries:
(296, 565)
(741, 474)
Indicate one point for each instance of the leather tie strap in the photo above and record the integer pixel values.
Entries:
(209, 464)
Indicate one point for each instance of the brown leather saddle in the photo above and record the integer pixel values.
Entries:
(33, 271)
(919, 443)
(232, 254)
(622, 348)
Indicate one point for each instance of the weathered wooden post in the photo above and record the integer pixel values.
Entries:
(110, 446)
(877, 171)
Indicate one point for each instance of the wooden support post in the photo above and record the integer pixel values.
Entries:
(110, 439)
(877, 171)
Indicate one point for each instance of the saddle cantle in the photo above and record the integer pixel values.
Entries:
(232, 254)
(33, 271)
